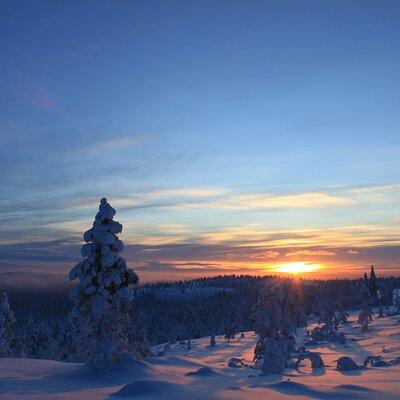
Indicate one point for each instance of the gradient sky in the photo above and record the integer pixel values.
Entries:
(231, 136)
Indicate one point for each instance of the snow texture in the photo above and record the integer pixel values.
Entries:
(185, 374)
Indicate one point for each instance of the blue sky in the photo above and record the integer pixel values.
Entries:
(223, 132)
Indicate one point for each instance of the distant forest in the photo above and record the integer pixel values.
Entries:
(171, 311)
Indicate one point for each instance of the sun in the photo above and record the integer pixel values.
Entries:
(297, 267)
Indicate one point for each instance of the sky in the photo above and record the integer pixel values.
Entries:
(231, 136)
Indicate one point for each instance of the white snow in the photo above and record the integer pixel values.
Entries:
(202, 372)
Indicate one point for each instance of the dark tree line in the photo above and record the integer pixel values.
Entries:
(171, 311)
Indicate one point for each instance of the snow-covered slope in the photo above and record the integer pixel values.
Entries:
(202, 373)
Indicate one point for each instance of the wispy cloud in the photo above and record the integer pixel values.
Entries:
(297, 200)
(352, 252)
(188, 192)
(195, 229)
(220, 198)
(320, 253)
(257, 255)
(116, 143)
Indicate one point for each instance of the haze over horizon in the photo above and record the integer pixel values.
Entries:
(230, 137)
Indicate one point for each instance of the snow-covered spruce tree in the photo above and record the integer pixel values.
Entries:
(271, 351)
(69, 340)
(103, 297)
(275, 316)
(371, 288)
(7, 322)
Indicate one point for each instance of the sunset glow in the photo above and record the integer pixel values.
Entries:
(213, 145)
(298, 267)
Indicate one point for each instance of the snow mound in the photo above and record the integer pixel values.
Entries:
(338, 392)
(158, 388)
(127, 369)
(203, 371)
(288, 387)
(353, 387)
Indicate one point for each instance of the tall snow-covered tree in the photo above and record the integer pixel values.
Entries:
(268, 319)
(274, 317)
(7, 322)
(371, 286)
(103, 297)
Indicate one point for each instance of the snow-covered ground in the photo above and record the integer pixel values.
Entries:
(202, 373)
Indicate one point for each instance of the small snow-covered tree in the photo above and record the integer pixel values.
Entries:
(268, 320)
(230, 332)
(7, 322)
(103, 297)
(365, 317)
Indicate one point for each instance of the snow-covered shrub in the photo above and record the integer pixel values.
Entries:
(328, 318)
(230, 332)
(7, 322)
(236, 363)
(212, 341)
(315, 359)
(375, 361)
(346, 364)
(342, 317)
(103, 297)
(330, 323)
